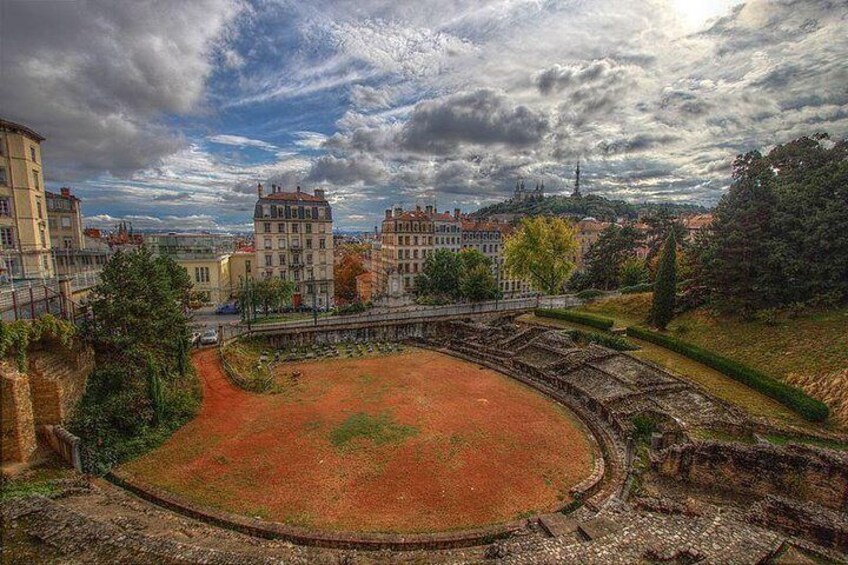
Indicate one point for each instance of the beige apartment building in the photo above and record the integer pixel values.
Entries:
(64, 216)
(293, 235)
(207, 258)
(24, 230)
(488, 237)
(406, 242)
(409, 237)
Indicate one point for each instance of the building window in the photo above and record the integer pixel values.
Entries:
(5, 209)
(309, 243)
(201, 275)
(247, 268)
(294, 228)
(267, 227)
(281, 227)
(322, 243)
(282, 258)
(35, 179)
(3, 175)
(32, 152)
(267, 243)
(7, 237)
(309, 258)
(308, 228)
(269, 260)
(281, 243)
(66, 222)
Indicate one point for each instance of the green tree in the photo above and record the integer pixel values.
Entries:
(607, 256)
(660, 223)
(633, 272)
(478, 283)
(139, 307)
(542, 252)
(665, 286)
(441, 275)
(272, 294)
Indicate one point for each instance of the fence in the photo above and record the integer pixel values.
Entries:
(412, 313)
(35, 299)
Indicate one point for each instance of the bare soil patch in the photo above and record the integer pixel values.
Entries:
(412, 442)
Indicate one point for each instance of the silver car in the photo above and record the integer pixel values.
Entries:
(209, 337)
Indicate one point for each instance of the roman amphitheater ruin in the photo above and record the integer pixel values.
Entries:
(672, 474)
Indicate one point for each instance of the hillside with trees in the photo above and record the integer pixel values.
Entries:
(592, 205)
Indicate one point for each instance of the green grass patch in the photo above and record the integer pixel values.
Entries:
(23, 489)
(379, 430)
(578, 317)
(818, 442)
(615, 342)
(808, 407)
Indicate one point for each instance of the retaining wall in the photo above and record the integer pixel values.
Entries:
(17, 422)
(796, 472)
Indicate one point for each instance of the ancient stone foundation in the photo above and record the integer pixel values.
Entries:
(17, 422)
(43, 396)
(793, 471)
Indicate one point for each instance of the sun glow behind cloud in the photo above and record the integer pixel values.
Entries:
(696, 14)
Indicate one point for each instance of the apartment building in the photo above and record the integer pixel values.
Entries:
(64, 216)
(407, 241)
(24, 230)
(293, 235)
(409, 237)
(488, 237)
(207, 258)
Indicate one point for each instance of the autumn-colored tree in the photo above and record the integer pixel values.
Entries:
(542, 252)
(345, 273)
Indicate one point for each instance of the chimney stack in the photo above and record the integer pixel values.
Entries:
(388, 213)
(298, 188)
(456, 213)
(429, 210)
(398, 211)
(259, 190)
(65, 191)
(417, 207)
(319, 193)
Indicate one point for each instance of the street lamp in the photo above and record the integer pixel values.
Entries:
(314, 294)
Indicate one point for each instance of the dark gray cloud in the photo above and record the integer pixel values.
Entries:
(482, 117)
(96, 76)
(346, 170)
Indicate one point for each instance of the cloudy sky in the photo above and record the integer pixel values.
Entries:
(168, 113)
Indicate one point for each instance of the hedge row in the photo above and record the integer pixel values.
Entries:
(795, 399)
(577, 317)
(644, 287)
(590, 294)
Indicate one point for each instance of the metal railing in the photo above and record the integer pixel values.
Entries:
(412, 313)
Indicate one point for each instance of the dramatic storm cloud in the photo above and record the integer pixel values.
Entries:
(169, 113)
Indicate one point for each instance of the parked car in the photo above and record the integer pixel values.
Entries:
(209, 337)
(229, 308)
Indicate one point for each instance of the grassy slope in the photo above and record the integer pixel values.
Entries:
(810, 351)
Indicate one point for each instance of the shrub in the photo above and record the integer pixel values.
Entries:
(636, 288)
(116, 418)
(17, 337)
(577, 317)
(352, 308)
(589, 294)
(806, 406)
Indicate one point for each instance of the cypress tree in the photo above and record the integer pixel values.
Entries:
(665, 286)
